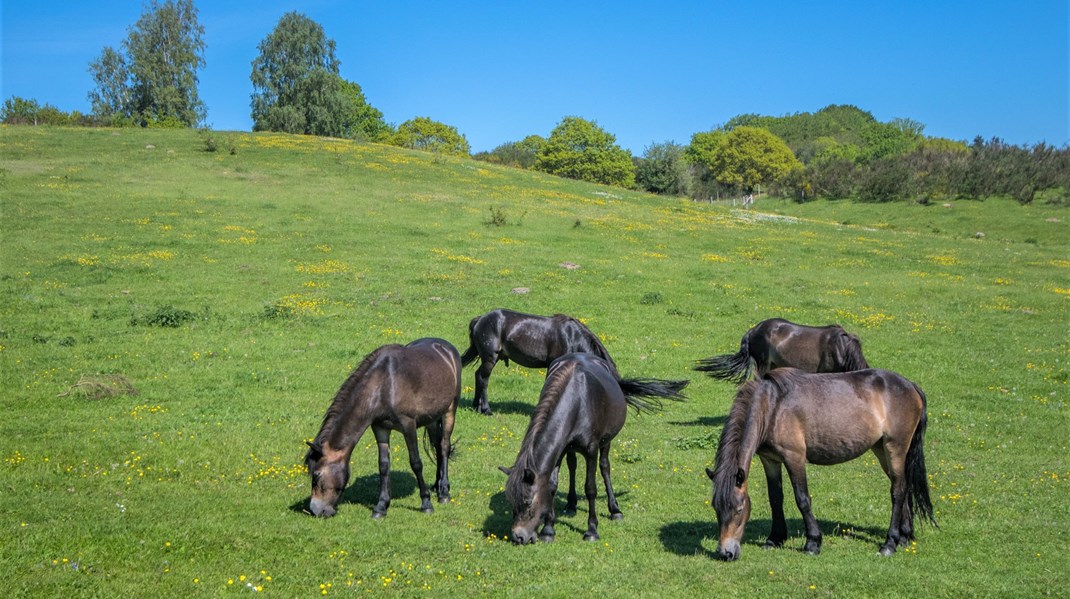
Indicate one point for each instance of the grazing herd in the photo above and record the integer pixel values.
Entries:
(814, 399)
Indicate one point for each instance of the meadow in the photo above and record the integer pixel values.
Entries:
(174, 322)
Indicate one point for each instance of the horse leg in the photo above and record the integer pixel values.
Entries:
(408, 428)
(901, 527)
(603, 464)
(797, 474)
(442, 484)
(382, 438)
(486, 365)
(591, 490)
(570, 504)
(434, 434)
(775, 483)
(550, 519)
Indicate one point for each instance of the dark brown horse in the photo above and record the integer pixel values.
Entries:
(529, 340)
(581, 409)
(777, 343)
(395, 388)
(790, 417)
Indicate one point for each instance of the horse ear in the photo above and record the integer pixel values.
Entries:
(315, 449)
(741, 477)
(507, 471)
(529, 476)
(710, 472)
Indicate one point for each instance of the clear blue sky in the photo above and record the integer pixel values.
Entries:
(644, 71)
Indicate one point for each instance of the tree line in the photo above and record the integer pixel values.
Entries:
(838, 152)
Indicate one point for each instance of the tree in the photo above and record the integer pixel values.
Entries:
(520, 154)
(155, 81)
(422, 133)
(19, 111)
(297, 88)
(111, 97)
(749, 157)
(580, 149)
(663, 170)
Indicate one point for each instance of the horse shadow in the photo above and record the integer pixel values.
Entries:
(697, 537)
(500, 521)
(504, 407)
(365, 491)
(711, 421)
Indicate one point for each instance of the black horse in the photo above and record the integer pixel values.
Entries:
(529, 340)
(582, 407)
(777, 343)
(395, 388)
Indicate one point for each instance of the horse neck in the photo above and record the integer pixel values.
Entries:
(346, 416)
(544, 444)
(744, 429)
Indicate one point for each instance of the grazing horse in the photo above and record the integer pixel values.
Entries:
(790, 417)
(582, 407)
(395, 388)
(777, 343)
(529, 340)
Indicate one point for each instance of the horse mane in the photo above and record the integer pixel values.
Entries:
(597, 348)
(344, 395)
(551, 394)
(730, 448)
(850, 350)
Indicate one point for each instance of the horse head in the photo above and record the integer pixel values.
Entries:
(329, 478)
(732, 504)
(531, 496)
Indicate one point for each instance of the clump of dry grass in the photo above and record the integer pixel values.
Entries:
(99, 386)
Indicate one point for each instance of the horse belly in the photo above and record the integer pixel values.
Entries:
(836, 447)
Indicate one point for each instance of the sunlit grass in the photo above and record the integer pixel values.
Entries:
(282, 265)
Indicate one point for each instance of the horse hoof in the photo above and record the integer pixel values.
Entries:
(427, 510)
(547, 538)
(812, 549)
(616, 516)
(887, 551)
(444, 499)
(590, 536)
(378, 515)
(772, 545)
(568, 512)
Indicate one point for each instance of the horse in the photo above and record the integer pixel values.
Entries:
(777, 343)
(529, 340)
(394, 388)
(790, 417)
(581, 408)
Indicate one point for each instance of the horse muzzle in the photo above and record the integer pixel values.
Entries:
(520, 536)
(729, 551)
(321, 509)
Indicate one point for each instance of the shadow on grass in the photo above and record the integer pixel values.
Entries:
(704, 421)
(503, 407)
(365, 491)
(693, 538)
(500, 520)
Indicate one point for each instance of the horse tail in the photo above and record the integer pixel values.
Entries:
(431, 454)
(917, 479)
(643, 394)
(471, 353)
(729, 367)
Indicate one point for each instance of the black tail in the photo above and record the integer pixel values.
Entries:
(471, 353)
(729, 367)
(643, 394)
(429, 451)
(917, 479)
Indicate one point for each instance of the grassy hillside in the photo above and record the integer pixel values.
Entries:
(282, 264)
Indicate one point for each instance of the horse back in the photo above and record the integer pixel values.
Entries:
(421, 379)
(583, 401)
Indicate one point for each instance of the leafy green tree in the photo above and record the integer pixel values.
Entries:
(580, 149)
(663, 170)
(20, 111)
(155, 80)
(749, 157)
(112, 95)
(297, 89)
(520, 154)
(422, 133)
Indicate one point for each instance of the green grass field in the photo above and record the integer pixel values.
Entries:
(235, 292)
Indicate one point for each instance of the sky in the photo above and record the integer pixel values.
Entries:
(646, 72)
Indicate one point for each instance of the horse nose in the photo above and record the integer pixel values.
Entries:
(320, 508)
(523, 537)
